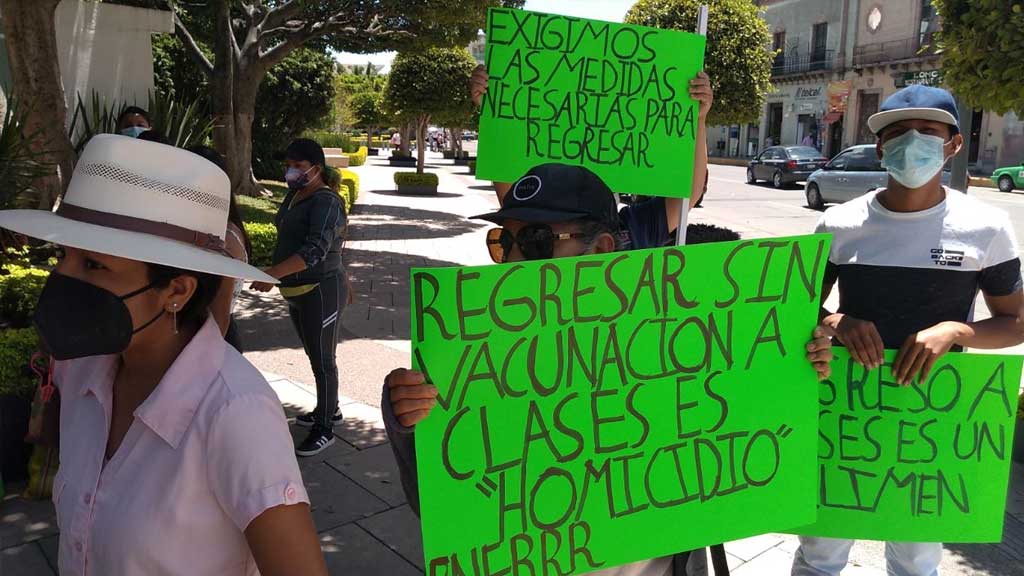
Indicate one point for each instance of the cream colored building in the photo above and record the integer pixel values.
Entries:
(871, 47)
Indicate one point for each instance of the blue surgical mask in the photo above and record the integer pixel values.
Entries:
(133, 131)
(296, 178)
(913, 159)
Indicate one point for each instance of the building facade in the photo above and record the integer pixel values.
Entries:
(838, 60)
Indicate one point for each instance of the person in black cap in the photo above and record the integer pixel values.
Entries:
(553, 211)
(307, 259)
(909, 260)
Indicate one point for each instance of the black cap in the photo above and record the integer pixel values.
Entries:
(305, 149)
(552, 193)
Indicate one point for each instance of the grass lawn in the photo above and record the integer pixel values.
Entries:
(262, 210)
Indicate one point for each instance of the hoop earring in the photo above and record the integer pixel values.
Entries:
(174, 313)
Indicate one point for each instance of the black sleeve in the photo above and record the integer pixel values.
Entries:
(1002, 279)
(326, 218)
(646, 223)
(403, 445)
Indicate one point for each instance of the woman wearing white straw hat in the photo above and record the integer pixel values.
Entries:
(175, 453)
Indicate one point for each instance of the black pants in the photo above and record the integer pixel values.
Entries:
(316, 316)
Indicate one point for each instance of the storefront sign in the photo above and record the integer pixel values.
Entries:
(838, 94)
(923, 77)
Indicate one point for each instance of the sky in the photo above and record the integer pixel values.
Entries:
(610, 10)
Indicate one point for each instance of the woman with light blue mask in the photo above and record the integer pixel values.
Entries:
(133, 121)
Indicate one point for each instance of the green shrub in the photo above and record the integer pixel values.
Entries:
(1020, 407)
(472, 166)
(351, 179)
(346, 196)
(333, 140)
(19, 291)
(16, 349)
(358, 158)
(415, 179)
(257, 210)
(263, 238)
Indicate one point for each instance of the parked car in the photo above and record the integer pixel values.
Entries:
(469, 135)
(850, 174)
(783, 165)
(1009, 178)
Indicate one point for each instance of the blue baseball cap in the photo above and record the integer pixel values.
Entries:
(917, 102)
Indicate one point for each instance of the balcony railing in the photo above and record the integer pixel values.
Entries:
(891, 51)
(818, 61)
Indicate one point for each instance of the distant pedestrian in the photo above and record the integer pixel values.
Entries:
(307, 260)
(808, 140)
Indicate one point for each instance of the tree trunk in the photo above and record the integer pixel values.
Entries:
(403, 131)
(421, 140)
(35, 71)
(243, 181)
(369, 137)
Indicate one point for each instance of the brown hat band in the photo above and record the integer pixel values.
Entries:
(131, 224)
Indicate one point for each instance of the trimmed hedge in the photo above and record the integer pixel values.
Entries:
(263, 238)
(346, 196)
(19, 291)
(351, 179)
(333, 140)
(415, 179)
(16, 348)
(1020, 407)
(358, 158)
(472, 166)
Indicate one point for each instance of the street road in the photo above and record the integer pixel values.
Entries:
(758, 210)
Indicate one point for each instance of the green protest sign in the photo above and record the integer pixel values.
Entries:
(611, 97)
(605, 409)
(925, 463)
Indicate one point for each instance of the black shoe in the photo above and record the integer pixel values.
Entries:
(306, 420)
(317, 441)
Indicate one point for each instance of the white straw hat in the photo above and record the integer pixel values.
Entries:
(142, 201)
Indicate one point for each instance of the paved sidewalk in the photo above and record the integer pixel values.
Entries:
(359, 508)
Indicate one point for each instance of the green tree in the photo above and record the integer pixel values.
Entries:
(31, 39)
(296, 95)
(368, 110)
(982, 47)
(249, 37)
(738, 58)
(425, 83)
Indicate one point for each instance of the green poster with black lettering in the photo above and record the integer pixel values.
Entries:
(606, 409)
(611, 97)
(928, 462)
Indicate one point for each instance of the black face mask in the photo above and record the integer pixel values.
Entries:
(76, 319)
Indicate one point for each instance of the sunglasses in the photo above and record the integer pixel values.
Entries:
(535, 241)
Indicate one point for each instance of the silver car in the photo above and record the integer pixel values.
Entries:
(850, 174)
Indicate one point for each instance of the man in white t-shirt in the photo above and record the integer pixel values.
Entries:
(910, 259)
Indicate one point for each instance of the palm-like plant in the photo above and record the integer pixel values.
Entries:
(20, 165)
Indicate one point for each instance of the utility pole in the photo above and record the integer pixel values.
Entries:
(959, 178)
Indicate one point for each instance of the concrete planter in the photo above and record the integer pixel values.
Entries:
(417, 190)
(448, 155)
(373, 151)
(402, 162)
(464, 161)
